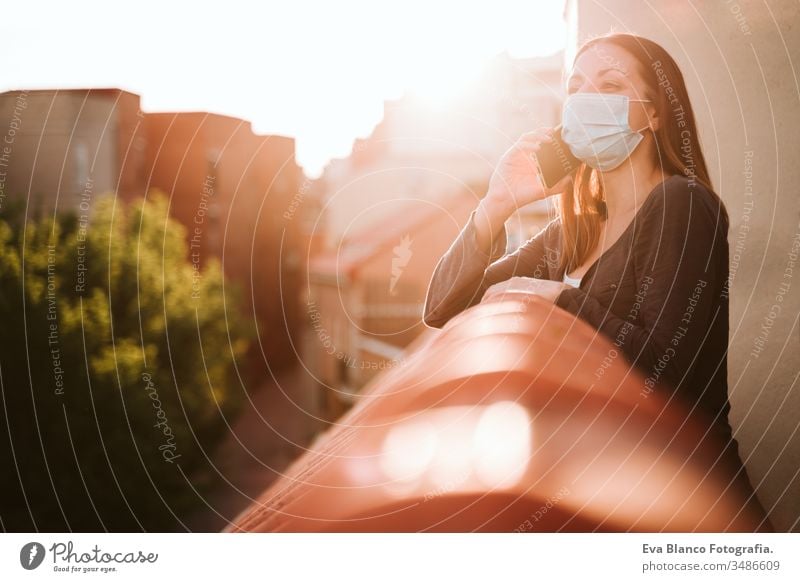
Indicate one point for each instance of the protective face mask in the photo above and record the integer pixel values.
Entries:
(595, 127)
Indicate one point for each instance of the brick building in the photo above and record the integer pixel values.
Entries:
(237, 193)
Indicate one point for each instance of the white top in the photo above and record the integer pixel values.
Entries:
(571, 281)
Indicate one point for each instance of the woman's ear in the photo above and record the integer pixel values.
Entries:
(653, 117)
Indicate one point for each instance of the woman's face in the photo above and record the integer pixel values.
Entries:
(607, 68)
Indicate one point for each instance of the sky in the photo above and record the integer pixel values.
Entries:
(317, 71)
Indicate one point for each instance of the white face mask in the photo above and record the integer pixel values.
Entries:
(595, 127)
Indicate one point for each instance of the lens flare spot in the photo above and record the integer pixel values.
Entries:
(408, 450)
(502, 444)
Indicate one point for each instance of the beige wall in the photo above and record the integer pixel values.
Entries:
(738, 59)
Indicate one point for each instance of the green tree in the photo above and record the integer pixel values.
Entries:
(118, 369)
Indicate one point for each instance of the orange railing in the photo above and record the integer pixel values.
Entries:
(516, 416)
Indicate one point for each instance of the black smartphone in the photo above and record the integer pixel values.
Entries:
(554, 160)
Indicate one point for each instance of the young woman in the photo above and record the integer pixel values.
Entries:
(639, 247)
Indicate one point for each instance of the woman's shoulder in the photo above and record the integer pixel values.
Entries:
(685, 198)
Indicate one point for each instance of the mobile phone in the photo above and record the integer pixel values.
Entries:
(555, 160)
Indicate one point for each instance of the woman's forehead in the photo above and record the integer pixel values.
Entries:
(603, 58)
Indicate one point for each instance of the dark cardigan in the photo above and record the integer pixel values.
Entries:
(659, 292)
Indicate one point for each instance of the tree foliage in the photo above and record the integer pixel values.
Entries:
(118, 366)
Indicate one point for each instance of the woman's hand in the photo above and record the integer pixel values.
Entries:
(515, 181)
(549, 290)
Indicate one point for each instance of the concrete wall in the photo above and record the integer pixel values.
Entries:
(741, 61)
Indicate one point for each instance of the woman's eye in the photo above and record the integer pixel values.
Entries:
(611, 86)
